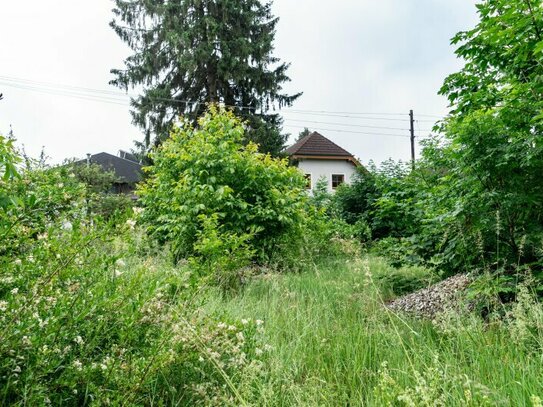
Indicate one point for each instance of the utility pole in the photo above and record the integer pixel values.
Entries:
(412, 128)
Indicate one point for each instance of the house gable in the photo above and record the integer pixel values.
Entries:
(318, 157)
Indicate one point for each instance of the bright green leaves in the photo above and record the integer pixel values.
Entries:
(207, 172)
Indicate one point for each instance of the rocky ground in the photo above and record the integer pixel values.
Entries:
(429, 302)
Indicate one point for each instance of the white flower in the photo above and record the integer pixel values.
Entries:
(131, 223)
(201, 359)
(67, 225)
(240, 336)
(79, 340)
(137, 211)
(259, 322)
(103, 366)
(42, 236)
(60, 185)
(117, 273)
(120, 263)
(221, 325)
(258, 351)
(17, 369)
(3, 305)
(31, 259)
(268, 348)
(78, 365)
(25, 340)
(18, 262)
(15, 291)
(244, 321)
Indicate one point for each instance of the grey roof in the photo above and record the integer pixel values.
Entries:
(127, 170)
(315, 144)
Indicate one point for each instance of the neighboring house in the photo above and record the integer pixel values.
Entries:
(317, 157)
(125, 166)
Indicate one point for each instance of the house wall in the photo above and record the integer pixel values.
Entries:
(325, 168)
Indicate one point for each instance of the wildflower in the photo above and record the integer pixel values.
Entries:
(200, 359)
(240, 336)
(259, 322)
(258, 351)
(79, 340)
(536, 401)
(131, 223)
(67, 225)
(78, 365)
(232, 328)
(42, 236)
(117, 273)
(268, 348)
(120, 263)
(31, 259)
(3, 305)
(17, 369)
(15, 291)
(137, 211)
(60, 185)
(26, 341)
(244, 321)
(18, 262)
(221, 325)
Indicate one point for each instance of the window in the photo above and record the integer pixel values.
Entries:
(337, 180)
(308, 179)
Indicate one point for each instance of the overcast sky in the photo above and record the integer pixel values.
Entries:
(351, 56)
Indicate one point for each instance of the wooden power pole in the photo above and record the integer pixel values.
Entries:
(412, 128)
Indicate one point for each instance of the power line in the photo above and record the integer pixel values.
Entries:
(6, 80)
(348, 125)
(353, 132)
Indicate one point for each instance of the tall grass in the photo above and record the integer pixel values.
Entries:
(334, 343)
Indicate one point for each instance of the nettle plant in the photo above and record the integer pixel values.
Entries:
(205, 172)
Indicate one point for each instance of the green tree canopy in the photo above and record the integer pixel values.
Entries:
(188, 53)
(206, 172)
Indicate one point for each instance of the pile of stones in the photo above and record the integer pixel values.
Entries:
(428, 302)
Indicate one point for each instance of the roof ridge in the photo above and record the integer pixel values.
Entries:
(116, 156)
(330, 141)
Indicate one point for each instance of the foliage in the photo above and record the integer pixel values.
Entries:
(222, 53)
(305, 132)
(207, 171)
(382, 198)
(492, 159)
(221, 257)
(86, 318)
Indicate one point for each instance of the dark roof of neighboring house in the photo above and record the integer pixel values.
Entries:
(127, 170)
(315, 145)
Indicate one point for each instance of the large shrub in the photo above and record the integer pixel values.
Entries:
(206, 172)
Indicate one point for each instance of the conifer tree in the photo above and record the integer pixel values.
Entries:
(188, 53)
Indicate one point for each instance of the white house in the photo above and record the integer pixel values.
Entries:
(317, 157)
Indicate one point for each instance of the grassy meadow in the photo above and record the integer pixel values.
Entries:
(334, 343)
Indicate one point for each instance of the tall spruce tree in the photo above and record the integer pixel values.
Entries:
(188, 53)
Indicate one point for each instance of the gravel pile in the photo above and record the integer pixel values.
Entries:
(432, 300)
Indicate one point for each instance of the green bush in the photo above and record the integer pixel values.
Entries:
(86, 318)
(208, 171)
